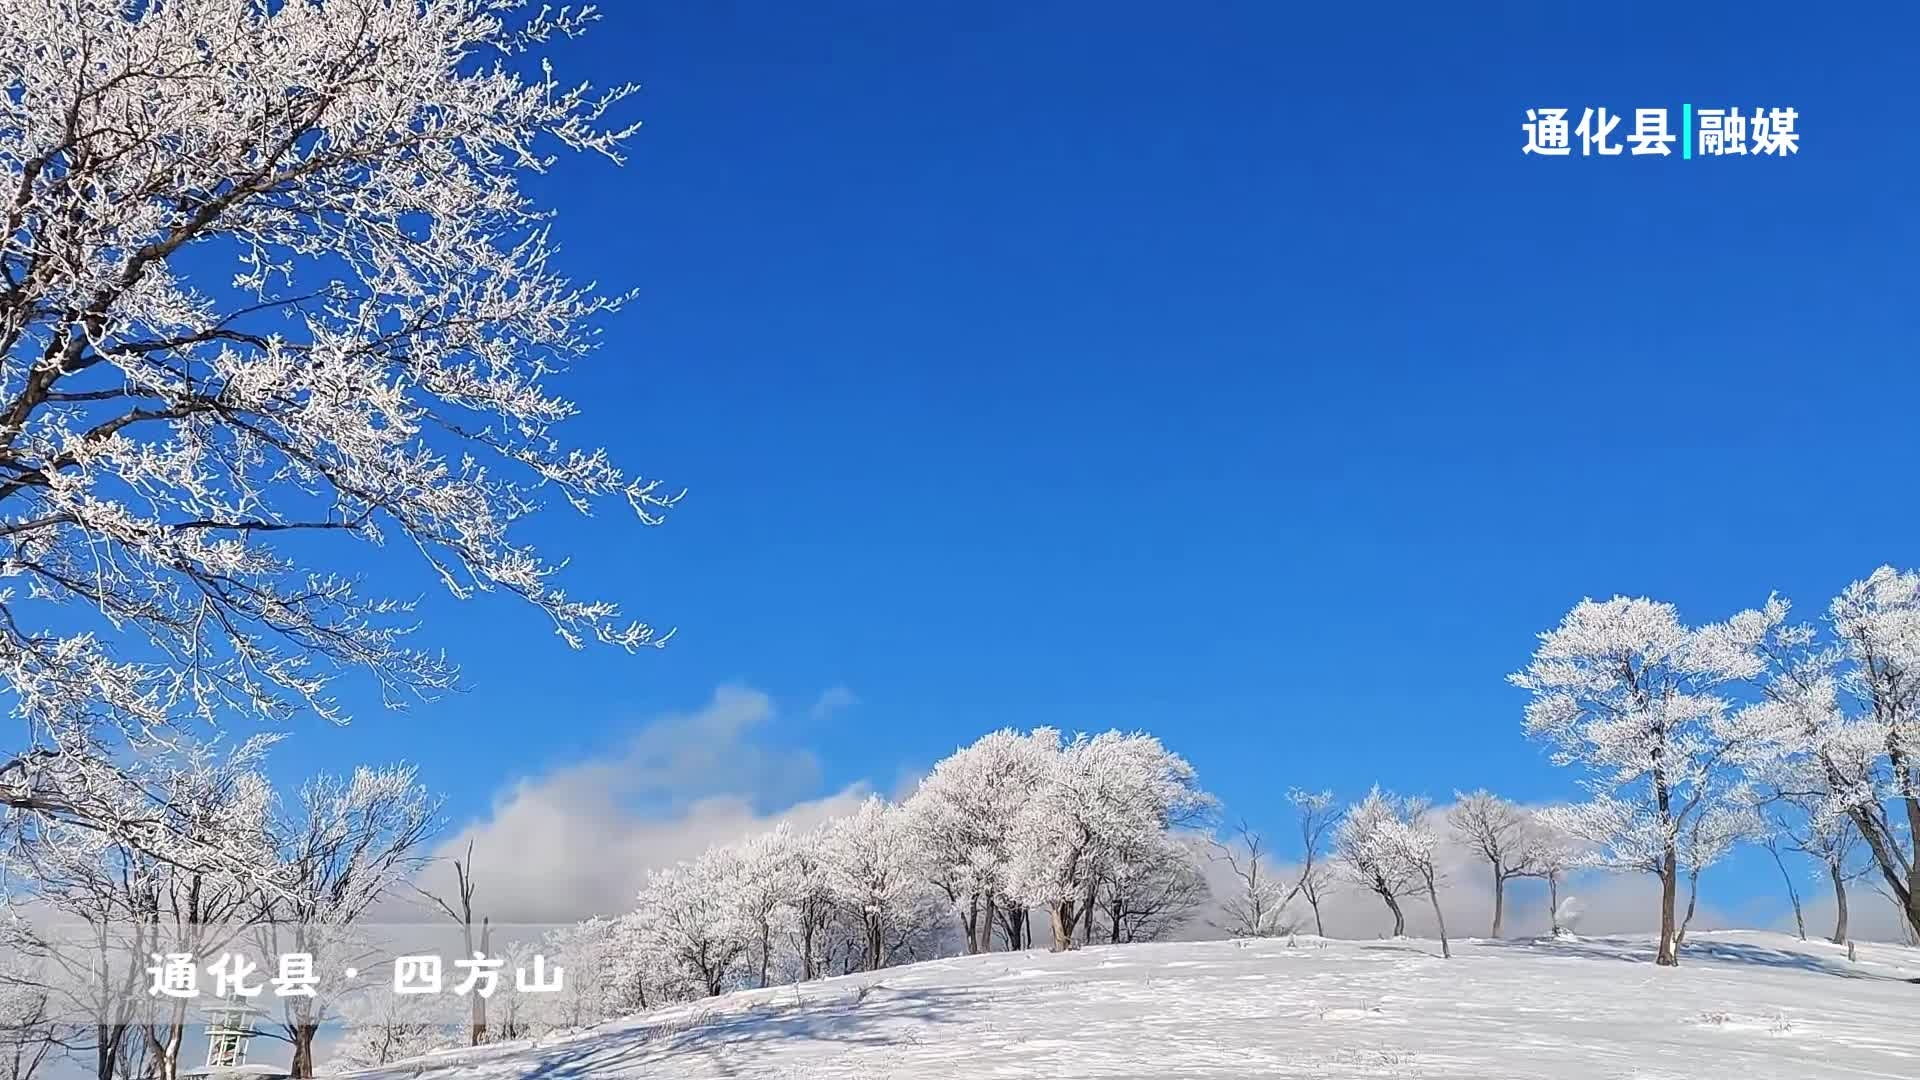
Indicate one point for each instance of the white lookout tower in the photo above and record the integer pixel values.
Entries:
(230, 1028)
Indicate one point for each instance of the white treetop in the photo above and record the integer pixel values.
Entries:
(267, 279)
(1409, 842)
(1497, 831)
(1837, 730)
(691, 918)
(1367, 852)
(964, 816)
(1100, 793)
(1627, 692)
(877, 877)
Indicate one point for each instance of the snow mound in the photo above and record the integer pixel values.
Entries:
(1745, 1004)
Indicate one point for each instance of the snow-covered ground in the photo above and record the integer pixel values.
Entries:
(1745, 1005)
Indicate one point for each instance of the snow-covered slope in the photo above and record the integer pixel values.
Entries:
(1745, 1005)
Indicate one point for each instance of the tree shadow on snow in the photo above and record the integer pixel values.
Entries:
(728, 1041)
(1738, 952)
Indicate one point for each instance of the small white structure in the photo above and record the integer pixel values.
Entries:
(230, 1029)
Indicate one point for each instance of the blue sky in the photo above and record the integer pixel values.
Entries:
(1225, 371)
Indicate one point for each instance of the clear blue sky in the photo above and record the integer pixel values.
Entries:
(1222, 370)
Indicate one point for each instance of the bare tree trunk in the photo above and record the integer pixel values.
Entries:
(1669, 954)
(1793, 894)
(1399, 918)
(1693, 898)
(1062, 915)
(1013, 919)
(1086, 915)
(986, 926)
(170, 1052)
(107, 1040)
(477, 1026)
(1900, 872)
(1433, 896)
(876, 945)
(1499, 900)
(1840, 905)
(1553, 903)
(806, 949)
(970, 924)
(302, 1068)
(1319, 927)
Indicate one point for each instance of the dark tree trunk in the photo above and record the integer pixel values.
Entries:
(1399, 917)
(1553, 903)
(302, 1068)
(1499, 899)
(1839, 905)
(1669, 954)
(970, 925)
(1793, 894)
(766, 953)
(1062, 916)
(1433, 896)
(107, 1040)
(1693, 900)
(1888, 858)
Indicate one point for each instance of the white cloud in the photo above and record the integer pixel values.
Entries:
(579, 839)
(832, 700)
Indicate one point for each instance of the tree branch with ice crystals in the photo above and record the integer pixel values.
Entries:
(267, 272)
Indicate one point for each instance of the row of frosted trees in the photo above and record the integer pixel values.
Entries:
(1803, 735)
(1088, 838)
(1690, 742)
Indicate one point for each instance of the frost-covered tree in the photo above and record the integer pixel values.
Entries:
(1551, 854)
(766, 892)
(106, 905)
(1710, 837)
(1838, 724)
(1367, 854)
(1316, 816)
(608, 972)
(379, 1028)
(1099, 792)
(690, 917)
(877, 879)
(1833, 841)
(352, 841)
(1627, 692)
(813, 908)
(1495, 830)
(1257, 905)
(964, 817)
(270, 289)
(31, 1038)
(1408, 840)
(221, 801)
(1151, 887)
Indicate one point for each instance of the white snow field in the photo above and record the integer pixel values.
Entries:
(1745, 1005)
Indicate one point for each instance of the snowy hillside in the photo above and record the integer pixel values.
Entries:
(1746, 1005)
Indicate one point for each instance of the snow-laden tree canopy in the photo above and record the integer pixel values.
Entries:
(270, 289)
(1835, 731)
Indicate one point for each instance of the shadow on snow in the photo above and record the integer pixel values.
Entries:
(727, 1041)
(1698, 949)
